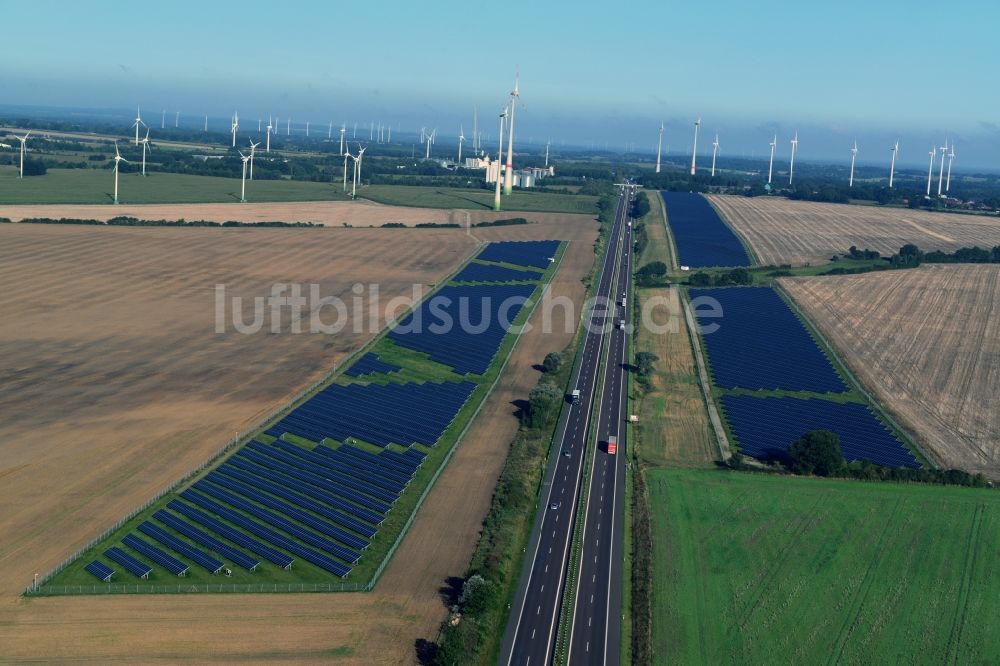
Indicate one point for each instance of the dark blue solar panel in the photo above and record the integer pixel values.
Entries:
(100, 569)
(132, 565)
(761, 344)
(197, 556)
(702, 238)
(207, 540)
(236, 536)
(165, 560)
(521, 253)
(766, 427)
(394, 413)
(463, 326)
(370, 364)
(272, 536)
(491, 273)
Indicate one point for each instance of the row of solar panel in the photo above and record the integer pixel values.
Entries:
(394, 413)
(370, 364)
(703, 239)
(521, 253)
(491, 273)
(766, 427)
(759, 343)
(463, 326)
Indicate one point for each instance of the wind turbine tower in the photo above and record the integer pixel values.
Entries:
(267, 144)
(243, 182)
(547, 143)
(23, 139)
(461, 139)
(854, 155)
(118, 160)
(138, 121)
(145, 147)
(430, 140)
(892, 163)
(346, 155)
(236, 126)
(163, 119)
(659, 148)
(944, 150)
(253, 149)
(770, 166)
(930, 172)
(791, 165)
(343, 129)
(694, 149)
(475, 130)
(329, 130)
(496, 195)
(715, 151)
(307, 128)
(951, 158)
(177, 119)
(508, 176)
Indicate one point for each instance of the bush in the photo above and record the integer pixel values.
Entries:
(543, 404)
(552, 362)
(700, 279)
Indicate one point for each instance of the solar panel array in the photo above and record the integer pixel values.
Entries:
(703, 239)
(521, 253)
(101, 570)
(761, 344)
(464, 326)
(766, 427)
(401, 413)
(493, 273)
(370, 364)
(279, 502)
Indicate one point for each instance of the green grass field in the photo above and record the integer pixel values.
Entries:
(771, 569)
(456, 197)
(74, 579)
(93, 186)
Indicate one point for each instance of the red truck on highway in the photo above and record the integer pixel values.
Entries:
(612, 445)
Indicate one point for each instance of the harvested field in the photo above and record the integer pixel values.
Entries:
(359, 213)
(926, 343)
(797, 232)
(160, 400)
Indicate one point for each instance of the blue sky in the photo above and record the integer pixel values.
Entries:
(602, 72)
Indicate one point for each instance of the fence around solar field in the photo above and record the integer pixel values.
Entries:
(240, 437)
(41, 586)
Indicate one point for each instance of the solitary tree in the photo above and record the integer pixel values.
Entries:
(644, 363)
(817, 452)
(542, 403)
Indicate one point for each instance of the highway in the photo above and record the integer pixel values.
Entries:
(531, 629)
(595, 634)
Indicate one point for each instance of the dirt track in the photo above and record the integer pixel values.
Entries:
(797, 232)
(113, 392)
(927, 343)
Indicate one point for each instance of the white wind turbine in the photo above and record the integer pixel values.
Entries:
(163, 119)
(892, 163)
(930, 171)
(791, 164)
(288, 126)
(145, 146)
(236, 126)
(138, 121)
(267, 145)
(854, 155)
(496, 195)
(475, 130)
(461, 140)
(346, 155)
(307, 128)
(770, 165)
(357, 170)
(243, 182)
(343, 129)
(118, 159)
(659, 148)
(694, 149)
(23, 139)
(944, 150)
(547, 143)
(258, 125)
(329, 131)
(430, 140)
(253, 149)
(951, 158)
(715, 151)
(508, 177)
